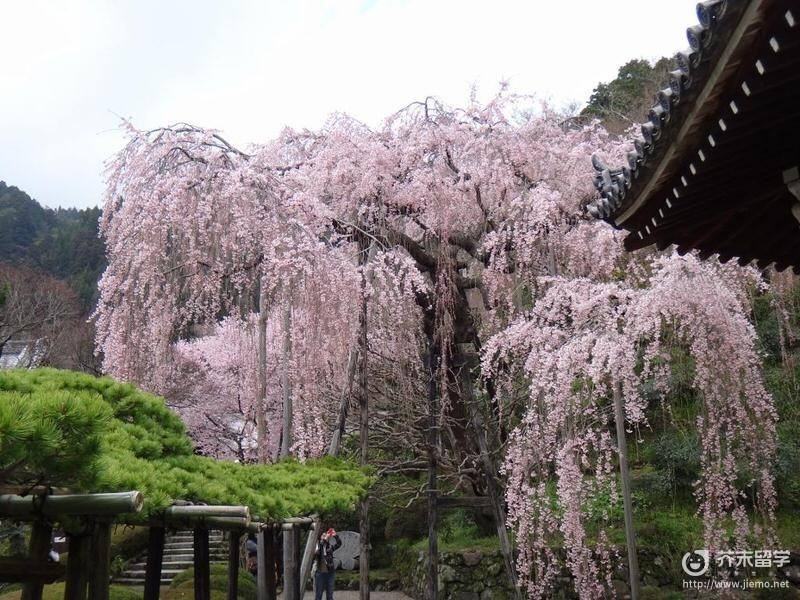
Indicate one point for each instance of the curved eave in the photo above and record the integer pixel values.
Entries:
(714, 153)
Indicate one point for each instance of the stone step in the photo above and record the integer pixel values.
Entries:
(136, 581)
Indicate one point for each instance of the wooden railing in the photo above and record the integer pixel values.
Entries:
(87, 519)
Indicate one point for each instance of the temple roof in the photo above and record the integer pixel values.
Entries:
(716, 168)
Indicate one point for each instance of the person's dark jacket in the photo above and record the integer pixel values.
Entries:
(324, 553)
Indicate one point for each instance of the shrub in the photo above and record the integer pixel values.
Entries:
(94, 433)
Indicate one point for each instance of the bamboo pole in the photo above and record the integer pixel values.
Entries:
(27, 507)
(630, 534)
(155, 558)
(201, 510)
(224, 523)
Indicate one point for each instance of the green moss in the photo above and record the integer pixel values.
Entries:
(126, 439)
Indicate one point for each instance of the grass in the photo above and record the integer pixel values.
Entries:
(55, 591)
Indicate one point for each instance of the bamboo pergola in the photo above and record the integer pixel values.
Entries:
(89, 517)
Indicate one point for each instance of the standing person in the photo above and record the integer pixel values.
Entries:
(252, 554)
(328, 543)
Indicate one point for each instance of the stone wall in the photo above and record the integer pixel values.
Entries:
(464, 575)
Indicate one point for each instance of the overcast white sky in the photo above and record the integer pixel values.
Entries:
(68, 68)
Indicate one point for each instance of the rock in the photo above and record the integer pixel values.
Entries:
(621, 588)
(494, 569)
(472, 558)
(792, 573)
(494, 594)
(447, 574)
(465, 595)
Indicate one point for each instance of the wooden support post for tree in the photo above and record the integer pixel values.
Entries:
(433, 506)
(77, 567)
(100, 559)
(234, 541)
(261, 388)
(41, 538)
(489, 468)
(308, 553)
(344, 403)
(155, 558)
(630, 534)
(352, 361)
(271, 564)
(363, 408)
(291, 562)
(262, 566)
(202, 569)
(286, 382)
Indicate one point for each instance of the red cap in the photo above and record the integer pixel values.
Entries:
(331, 531)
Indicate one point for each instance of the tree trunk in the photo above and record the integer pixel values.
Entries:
(286, 384)
(261, 391)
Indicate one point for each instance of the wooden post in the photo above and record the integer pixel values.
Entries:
(363, 408)
(100, 559)
(365, 257)
(234, 541)
(493, 488)
(41, 538)
(286, 382)
(433, 440)
(202, 573)
(155, 557)
(77, 569)
(344, 403)
(272, 564)
(261, 388)
(630, 534)
(261, 566)
(291, 562)
(308, 554)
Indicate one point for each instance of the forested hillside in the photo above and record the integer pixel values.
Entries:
(62, 242)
